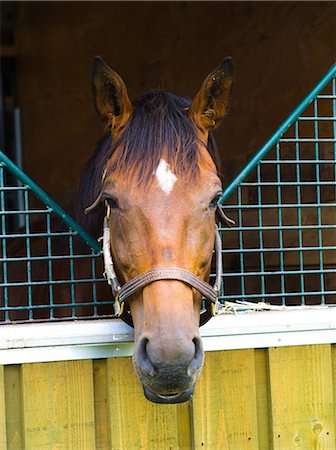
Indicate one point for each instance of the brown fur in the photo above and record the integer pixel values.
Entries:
(152, 228)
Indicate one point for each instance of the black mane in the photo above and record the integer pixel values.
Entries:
(159, 124)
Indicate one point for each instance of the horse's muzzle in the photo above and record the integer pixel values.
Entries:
(168, 377)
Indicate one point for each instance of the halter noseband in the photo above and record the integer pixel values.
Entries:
(122, 293)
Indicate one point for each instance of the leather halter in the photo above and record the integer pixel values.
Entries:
(122, 293)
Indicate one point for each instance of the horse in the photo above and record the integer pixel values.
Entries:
(155, 177)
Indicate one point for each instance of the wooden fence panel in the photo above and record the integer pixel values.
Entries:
(302, 397)
(137, 424)
(58, 405)
(102, 425)
(265, 399)
(3, 435)
(333, 360)
(13, 402)
(224, 407)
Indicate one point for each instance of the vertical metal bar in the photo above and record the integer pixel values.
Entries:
(221, 286)
(28, 253)
(241, 243)
(260, 232)
(94, 287)
(299, 212)
(280, 233)
(318, 202)
(334, 124)
(72, 277)
(50, 268)
(4, 246)
(334, 128)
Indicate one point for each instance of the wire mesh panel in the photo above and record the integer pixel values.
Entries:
(49, 267)
(283, 248)
(281, 251)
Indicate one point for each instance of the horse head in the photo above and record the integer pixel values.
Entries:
(161, 187)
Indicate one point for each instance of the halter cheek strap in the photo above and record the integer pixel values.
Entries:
(122, 293)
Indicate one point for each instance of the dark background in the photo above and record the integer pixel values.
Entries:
(280, 50)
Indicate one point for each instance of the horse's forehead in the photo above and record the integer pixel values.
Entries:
(166, 183)
(165, 177)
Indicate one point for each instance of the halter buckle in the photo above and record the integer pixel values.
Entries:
(118, 307)
(214, 306)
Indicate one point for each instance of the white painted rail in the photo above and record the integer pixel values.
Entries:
(92, 339)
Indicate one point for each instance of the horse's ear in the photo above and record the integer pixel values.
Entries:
(110, 95)
(213, 99)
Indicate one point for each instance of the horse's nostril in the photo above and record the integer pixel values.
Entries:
(197, 360)
(142, 357)
(198, 347)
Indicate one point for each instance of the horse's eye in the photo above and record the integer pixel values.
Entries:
(112, 202)
(214, 201)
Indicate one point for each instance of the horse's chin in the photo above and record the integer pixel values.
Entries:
(171, 398)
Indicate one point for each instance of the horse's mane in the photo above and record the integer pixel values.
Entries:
(159, 124)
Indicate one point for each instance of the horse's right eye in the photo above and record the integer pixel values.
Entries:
(214, 201)
(112, 202)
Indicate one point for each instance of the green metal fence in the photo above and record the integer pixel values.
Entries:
(49, 266)
(282, 250)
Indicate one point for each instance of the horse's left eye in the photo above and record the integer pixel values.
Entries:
(214, 201)
(112, 202)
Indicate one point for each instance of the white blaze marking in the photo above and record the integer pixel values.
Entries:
(165, 177)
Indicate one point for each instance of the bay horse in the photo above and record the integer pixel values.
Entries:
(155, 175)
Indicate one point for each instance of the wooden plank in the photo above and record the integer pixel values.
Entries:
(13, 404)
(3, 434)
(224, 406)
(302, 397)
(58, 406)
(137, 423)
(101, 404)
(333, 361)
(263, 397)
